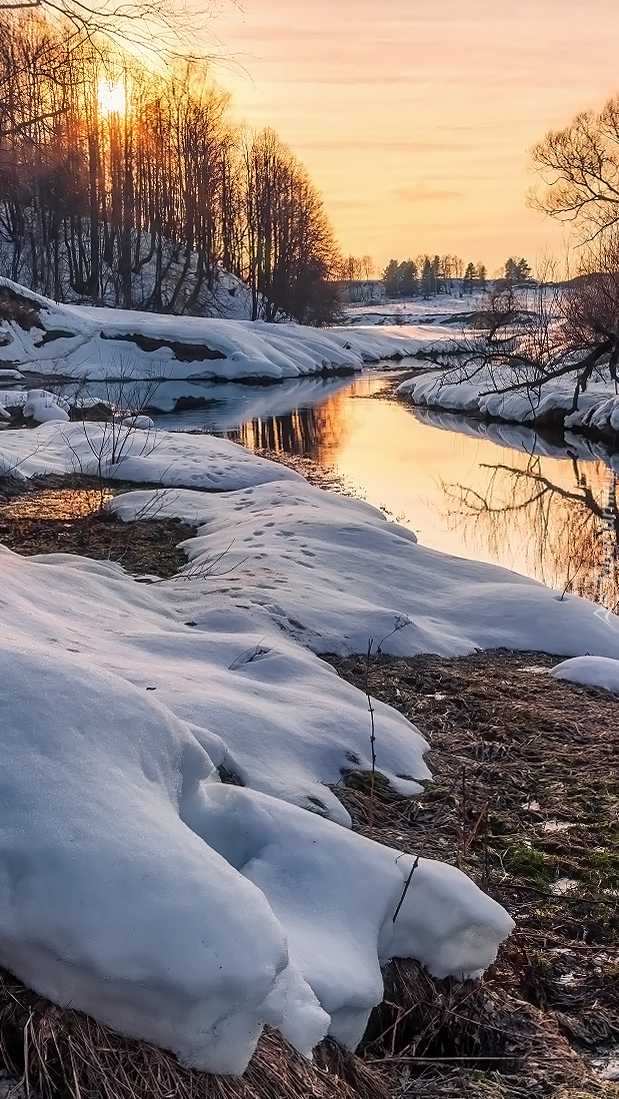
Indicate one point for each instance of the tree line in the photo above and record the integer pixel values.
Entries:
(130, 188)
(429, 275)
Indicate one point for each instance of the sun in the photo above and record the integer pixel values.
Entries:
(112, 96)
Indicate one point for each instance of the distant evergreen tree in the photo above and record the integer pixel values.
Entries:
(408, 279)
(428, 280)
(517, 270)
(401, 279)
(468, 282)
(437, 272)
(481, 275)
(390, 278)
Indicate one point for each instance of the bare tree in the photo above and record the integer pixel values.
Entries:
(127, 187)
(524, 339)
(580, 167)
(155, 25)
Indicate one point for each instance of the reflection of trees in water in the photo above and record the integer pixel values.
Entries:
(569, 535)
(316, 432)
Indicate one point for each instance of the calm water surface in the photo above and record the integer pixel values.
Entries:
(547, 511)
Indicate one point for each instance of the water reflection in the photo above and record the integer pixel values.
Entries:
(568, 532)
(490, 492)
(58, 503)
(317, 432)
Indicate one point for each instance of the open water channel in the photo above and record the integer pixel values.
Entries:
(487, 492)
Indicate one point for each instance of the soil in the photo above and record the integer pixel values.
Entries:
(65, 515)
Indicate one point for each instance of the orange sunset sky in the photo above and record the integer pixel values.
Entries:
(414, 118)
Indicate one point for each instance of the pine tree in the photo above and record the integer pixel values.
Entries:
(469, 278)
(428, 281)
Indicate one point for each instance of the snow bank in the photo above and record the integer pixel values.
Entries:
(590, 671)
(333, 572)
(478, 393)
(135, 886)
(287, 724)
(122, 451)
(100, 343)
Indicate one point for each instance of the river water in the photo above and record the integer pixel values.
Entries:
(546, 510)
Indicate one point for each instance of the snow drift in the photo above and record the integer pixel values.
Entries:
(136, 887)
(590, 671)
(85, 342)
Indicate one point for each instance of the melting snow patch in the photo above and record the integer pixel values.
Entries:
(564, 885)
(167, 905)
(590, 671)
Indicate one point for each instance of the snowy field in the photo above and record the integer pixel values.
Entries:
(441, 309)
(141, 889)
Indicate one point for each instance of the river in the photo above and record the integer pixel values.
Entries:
(498, 494)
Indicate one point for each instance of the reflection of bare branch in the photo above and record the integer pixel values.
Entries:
(568, 534)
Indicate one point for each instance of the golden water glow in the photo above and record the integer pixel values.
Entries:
(112, 97)
(552, 519)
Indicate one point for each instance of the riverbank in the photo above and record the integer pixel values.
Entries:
(167, 629)
(524, 801)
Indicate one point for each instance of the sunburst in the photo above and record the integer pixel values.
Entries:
(112, 97)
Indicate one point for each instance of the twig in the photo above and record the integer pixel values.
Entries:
(372, 737)
(438, 820)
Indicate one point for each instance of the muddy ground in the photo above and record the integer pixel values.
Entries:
(66, 515)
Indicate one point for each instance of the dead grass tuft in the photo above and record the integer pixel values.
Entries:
(58, 1052)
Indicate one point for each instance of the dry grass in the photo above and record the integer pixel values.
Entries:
(60, 1052)
(527, 792)
(63, 515)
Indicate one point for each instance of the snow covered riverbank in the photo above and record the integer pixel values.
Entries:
(141, 888)
(69, 341)
(493, 396)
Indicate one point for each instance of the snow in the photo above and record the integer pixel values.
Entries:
(590, 671)
(480, 392)
(333, 572)
(287, 725)
(127, 453)
(135, 886)
(446, 309)
(43, 408)
(85, 342)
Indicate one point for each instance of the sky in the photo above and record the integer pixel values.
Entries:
(414, 117)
